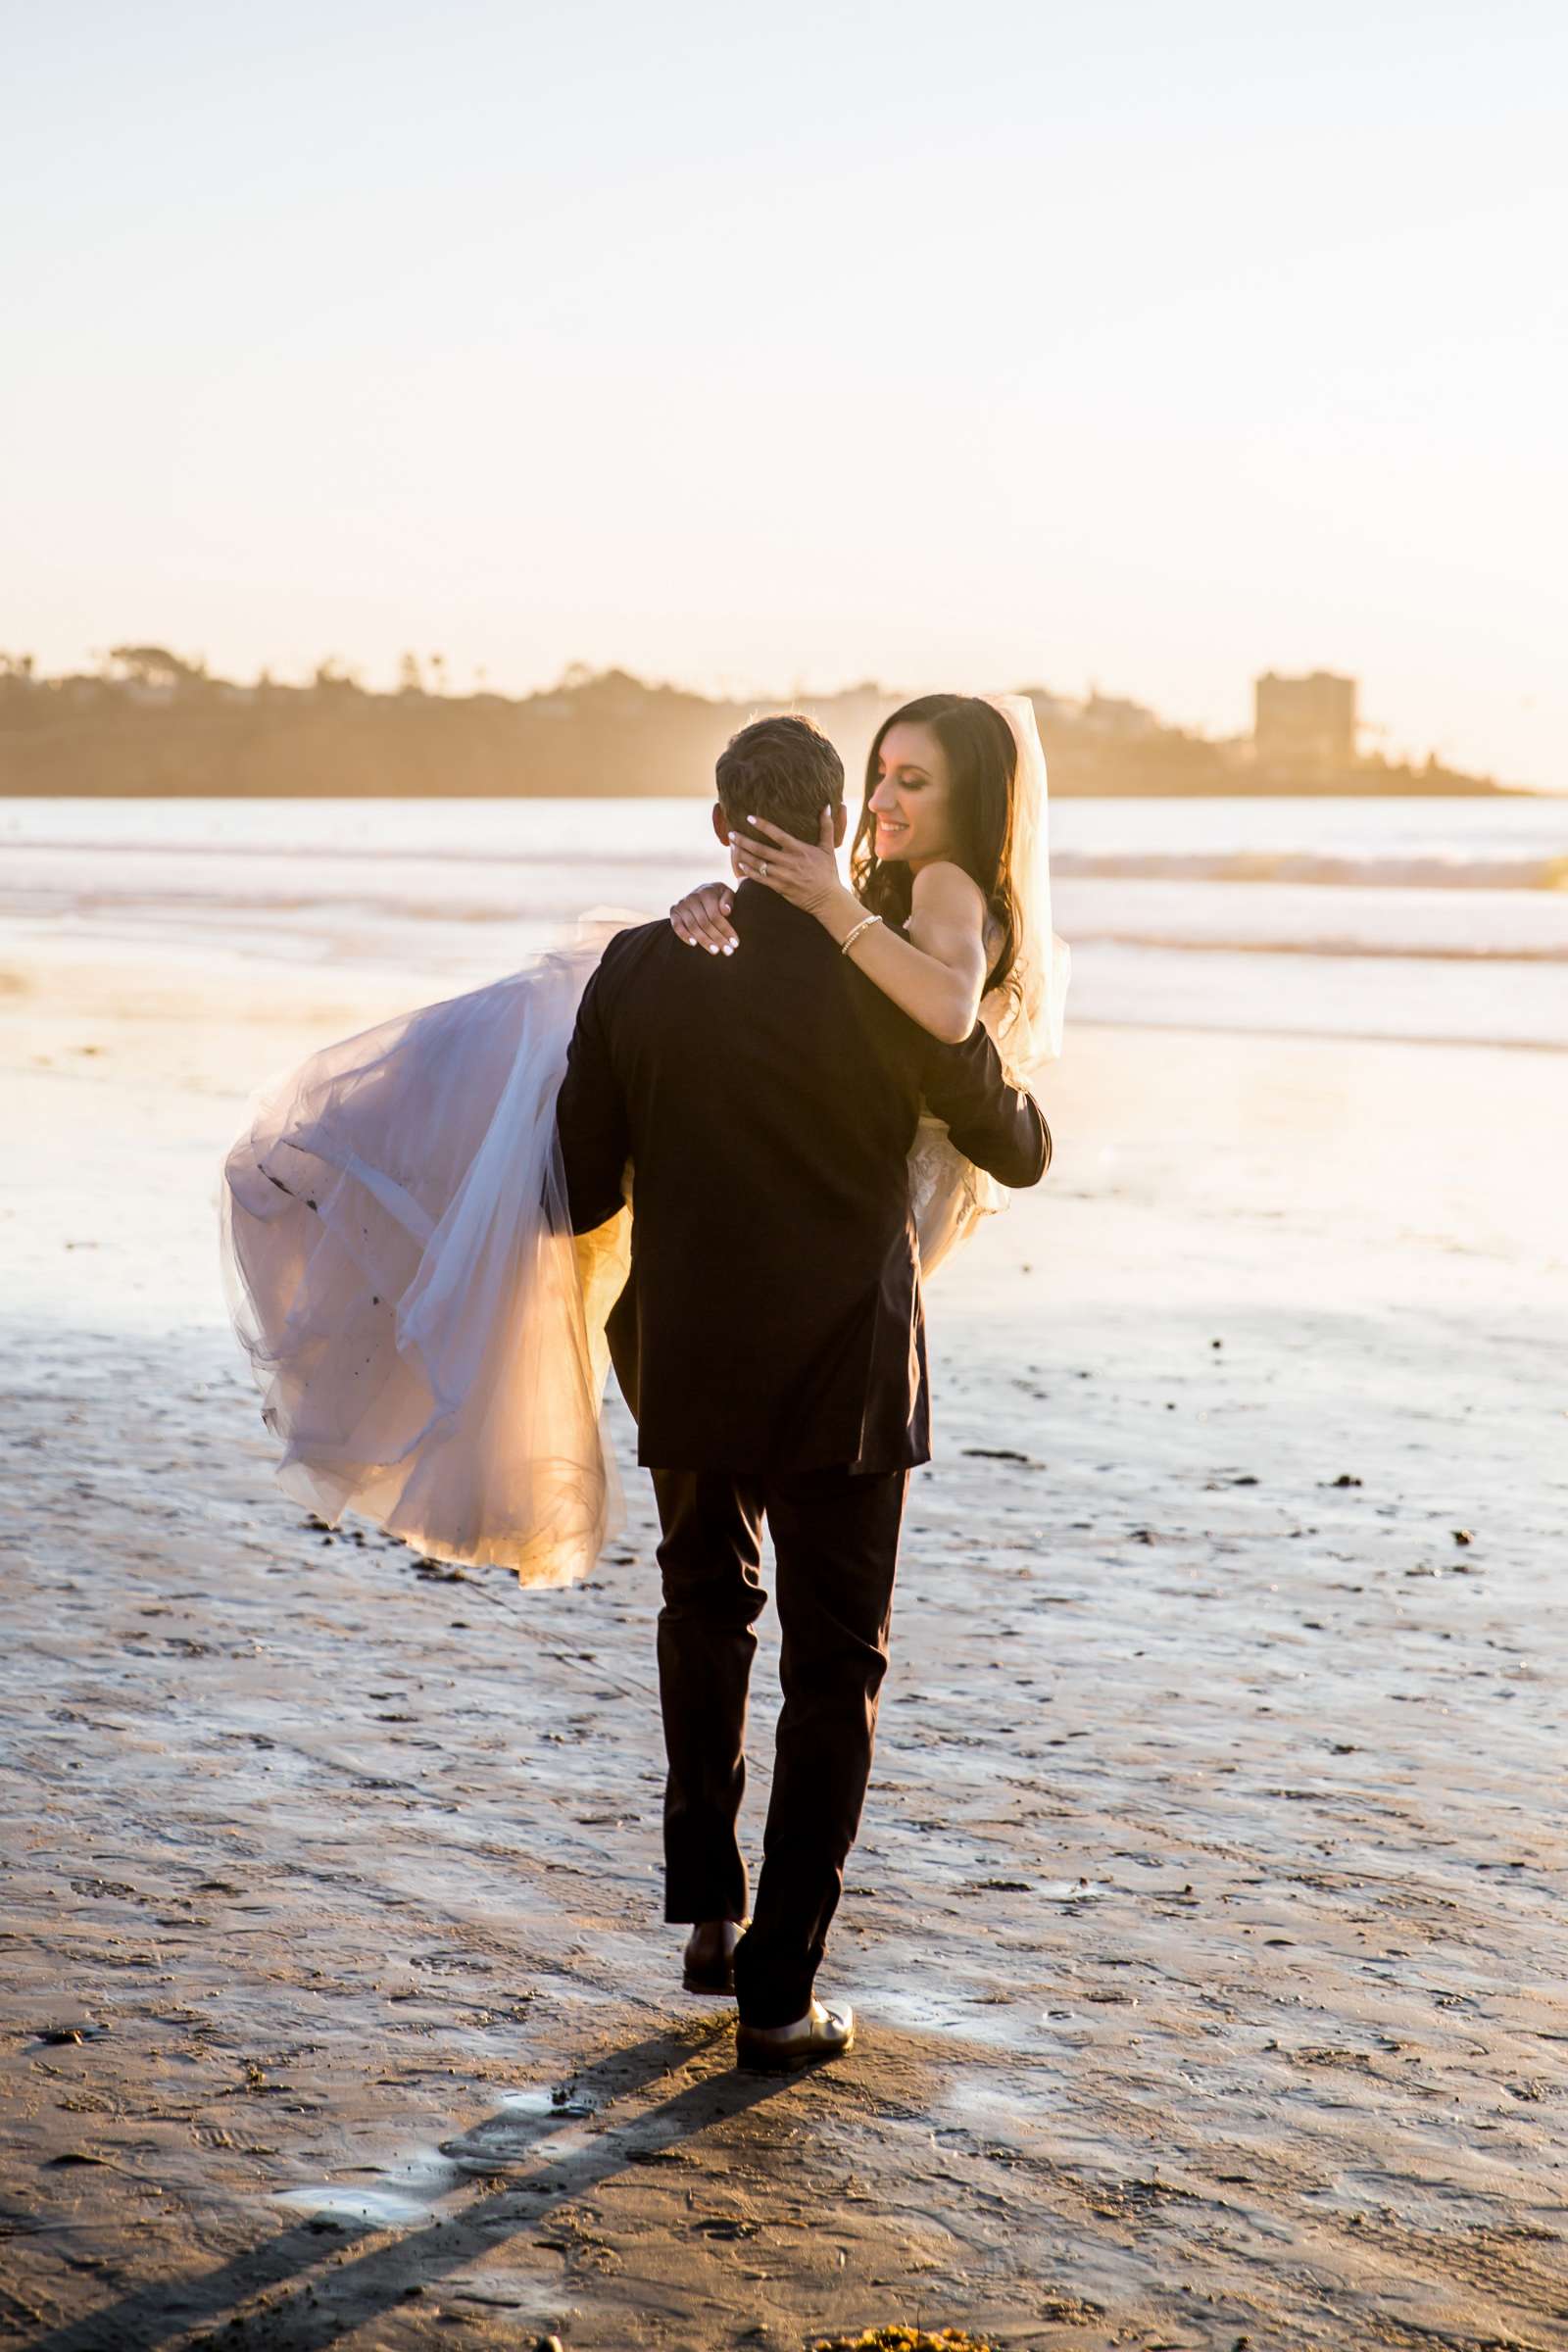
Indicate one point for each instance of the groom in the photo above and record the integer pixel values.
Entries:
(771, 1343)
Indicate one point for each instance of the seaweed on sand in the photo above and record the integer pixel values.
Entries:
(902, 2339)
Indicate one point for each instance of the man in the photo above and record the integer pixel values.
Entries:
(770, 1342)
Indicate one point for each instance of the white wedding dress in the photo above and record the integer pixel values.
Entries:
(427, 1334)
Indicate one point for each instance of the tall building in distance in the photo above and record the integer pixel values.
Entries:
(1304, 723)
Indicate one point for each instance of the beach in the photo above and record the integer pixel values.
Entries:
(1207, 1927)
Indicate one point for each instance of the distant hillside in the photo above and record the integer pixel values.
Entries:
(152, 724)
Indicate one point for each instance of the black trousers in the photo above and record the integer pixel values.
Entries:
(836, 1545)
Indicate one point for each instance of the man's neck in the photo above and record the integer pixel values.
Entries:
(757, 902)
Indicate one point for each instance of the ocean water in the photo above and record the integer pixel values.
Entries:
(1412, 919)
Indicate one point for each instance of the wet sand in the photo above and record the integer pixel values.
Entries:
(1206, 1929)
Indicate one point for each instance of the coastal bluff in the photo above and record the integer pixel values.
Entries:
(150, 724)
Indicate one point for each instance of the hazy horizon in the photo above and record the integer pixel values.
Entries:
(770, 357)
(116, 665)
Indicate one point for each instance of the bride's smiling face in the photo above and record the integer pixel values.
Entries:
(913, 797)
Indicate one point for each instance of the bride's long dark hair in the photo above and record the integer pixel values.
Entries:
(982, 763)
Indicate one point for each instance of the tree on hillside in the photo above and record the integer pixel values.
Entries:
(156, 668)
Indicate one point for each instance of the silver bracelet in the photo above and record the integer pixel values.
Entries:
(849, 937)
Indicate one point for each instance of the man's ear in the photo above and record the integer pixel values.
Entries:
(841, 818)
(721, 825)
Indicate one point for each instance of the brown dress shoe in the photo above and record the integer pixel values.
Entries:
(779, 2049)
(708, 1964)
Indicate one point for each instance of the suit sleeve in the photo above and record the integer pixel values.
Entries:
(1000, 1127)
(591, 1122)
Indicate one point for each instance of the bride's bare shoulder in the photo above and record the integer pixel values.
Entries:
(944, 890)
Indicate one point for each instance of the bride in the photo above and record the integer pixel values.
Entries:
(427, 1334)
(950, 852)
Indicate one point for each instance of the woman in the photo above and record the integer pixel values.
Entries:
(427, 1334)
(951, 854)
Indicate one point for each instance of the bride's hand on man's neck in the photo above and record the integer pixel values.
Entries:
(937, 975)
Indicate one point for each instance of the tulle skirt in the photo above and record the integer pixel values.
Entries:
(427, 1336)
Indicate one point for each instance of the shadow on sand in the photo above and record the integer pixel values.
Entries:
(530, 2164)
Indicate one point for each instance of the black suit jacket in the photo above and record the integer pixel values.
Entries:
(767, 1102)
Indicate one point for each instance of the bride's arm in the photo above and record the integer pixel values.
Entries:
(937, 975)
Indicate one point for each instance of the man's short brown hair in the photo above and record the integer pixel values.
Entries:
(783, 768)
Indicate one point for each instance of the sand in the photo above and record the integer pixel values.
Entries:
(1207, 1929)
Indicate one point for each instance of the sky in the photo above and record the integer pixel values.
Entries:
(1127, 346)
